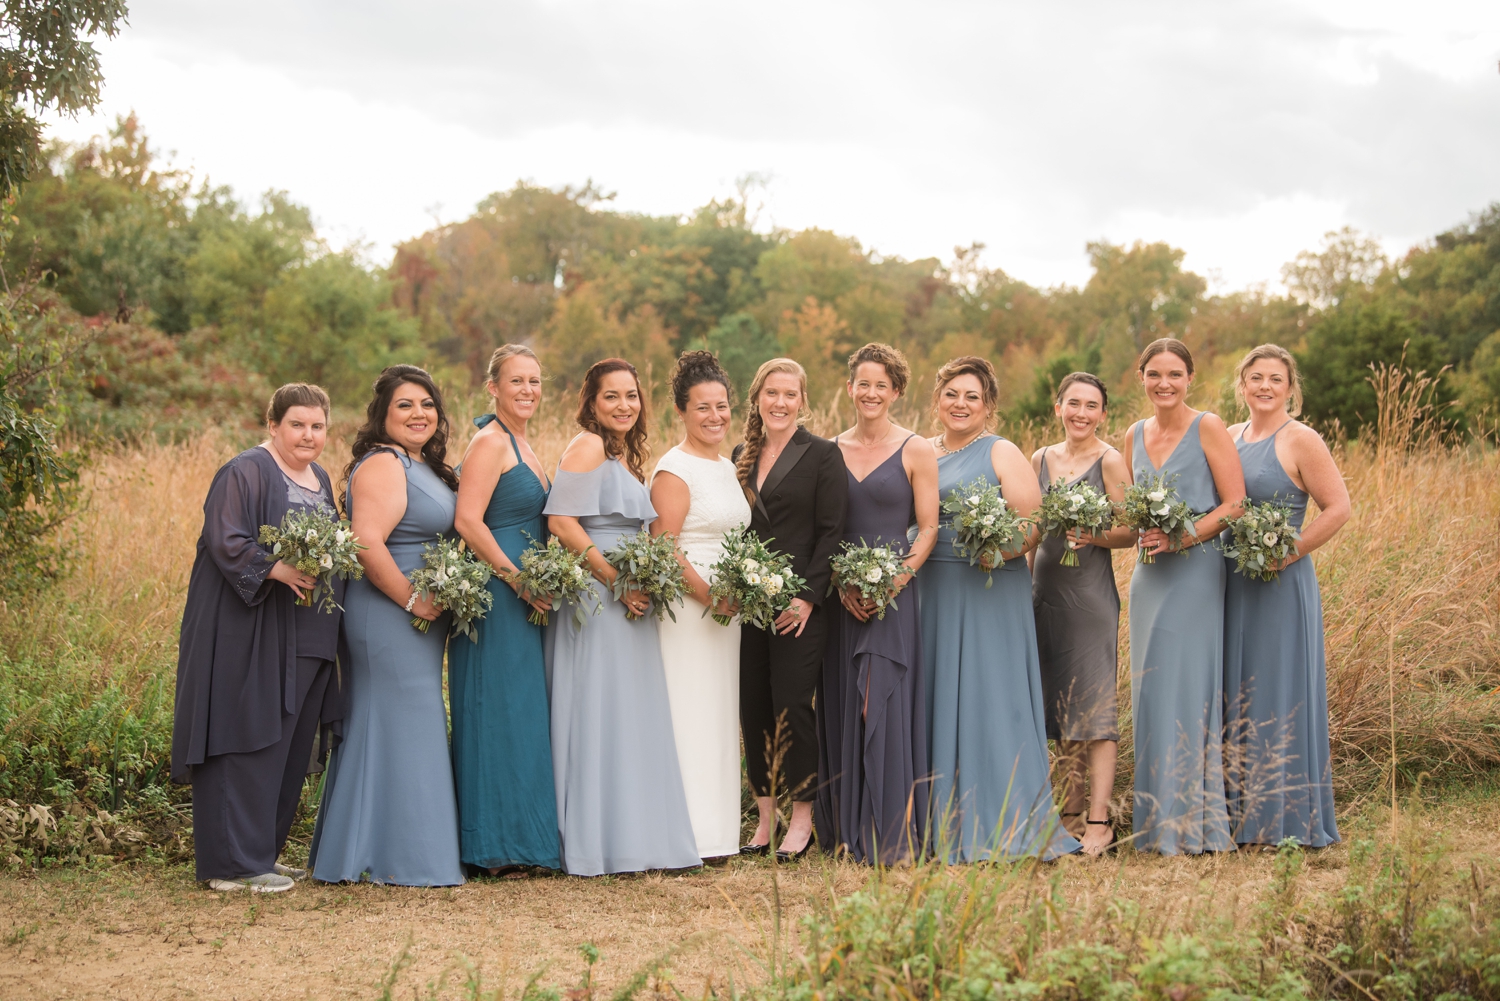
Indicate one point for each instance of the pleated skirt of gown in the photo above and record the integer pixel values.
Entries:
(389, 813)
(1177, 692)
(1280, 779)
(502, 745)
(991, 790)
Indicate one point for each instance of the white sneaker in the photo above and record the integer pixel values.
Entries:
(286, 870)
(269, 882)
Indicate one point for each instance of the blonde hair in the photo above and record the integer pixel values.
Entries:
(1277, 353)
(505, 353)
(979, 368)
(755, 431)
(889, 358)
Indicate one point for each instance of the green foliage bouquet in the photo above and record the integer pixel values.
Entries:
(753, 576)
(984, 526)
(871, 570)
(319, 545)
(1079, 506)
(648, 563)
(555, 572)
(454, 579)
(1261, 538)
(1153, 503)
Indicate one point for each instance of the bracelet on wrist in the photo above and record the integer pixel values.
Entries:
(412, 601)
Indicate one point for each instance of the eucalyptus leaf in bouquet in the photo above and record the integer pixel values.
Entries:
(454, 579)
(872, 571)
(1261, 538)
(557, 573)
(318, 544)
(754, 577)
(1079, 505)
(984, 526)
(1154, 503)
(648, 563)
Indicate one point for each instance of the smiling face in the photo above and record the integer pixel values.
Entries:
(779, 402)
(517, 390)
(706, 417)
(1081, 410)
(872, 391)
(617, 405)
(1266, 386)
(301, 434)
(1166, 380)
(412, 418)
(960, 406)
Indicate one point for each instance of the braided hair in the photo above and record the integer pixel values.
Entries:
(755, 431)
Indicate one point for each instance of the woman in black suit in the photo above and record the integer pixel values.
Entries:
(798, 492)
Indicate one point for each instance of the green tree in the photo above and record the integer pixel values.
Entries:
(742, 345)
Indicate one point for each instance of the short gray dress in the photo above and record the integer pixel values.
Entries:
(389, 812)
(1077, 632)
(991, 794)
(620, 801)
(1276, 686)
(1177, 674)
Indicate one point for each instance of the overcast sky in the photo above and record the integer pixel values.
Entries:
(1238, 131)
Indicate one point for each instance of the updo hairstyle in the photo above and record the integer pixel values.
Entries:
(1278, 353)
(1170, 345)
(1090, 379)
(979, 368)
(693, 369)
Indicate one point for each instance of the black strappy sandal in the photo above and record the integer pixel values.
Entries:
(1114, 842)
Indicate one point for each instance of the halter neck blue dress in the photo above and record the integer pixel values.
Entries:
(991, 791)
(1177, 673)
(1280, 777)
(497, 689)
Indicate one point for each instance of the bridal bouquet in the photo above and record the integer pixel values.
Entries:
(454, 579)
(1079, 506)
(984, 526)
(318, 544)
(554, 571)
(872, 570)
(1153, 503)
(1261, 538)
(648, 563)
(754, 577)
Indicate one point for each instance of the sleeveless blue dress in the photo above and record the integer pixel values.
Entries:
(877, 788)
(497, 689)
(389, 814)
(991, 790)
(1177, 674)
(620, 802)
(1280, 781)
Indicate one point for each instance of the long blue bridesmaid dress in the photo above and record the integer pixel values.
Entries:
(1177, 674)
(497, 689)
(1276, 685)
(991, 792)
(389, 814)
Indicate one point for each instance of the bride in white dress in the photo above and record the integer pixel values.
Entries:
(698, 498)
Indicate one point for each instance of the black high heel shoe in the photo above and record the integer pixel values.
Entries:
(1109, 849)
(782, 858)
(756, 850)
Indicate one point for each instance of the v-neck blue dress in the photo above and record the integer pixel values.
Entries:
(497, 690)
(1276, 685)
(1177, 673)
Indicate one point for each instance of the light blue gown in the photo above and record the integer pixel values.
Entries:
(620, 801)
(991, 794)
(1276, 686)
(1177, 674)
(497, 687)
(389, 814)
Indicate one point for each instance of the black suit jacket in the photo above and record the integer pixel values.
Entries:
(800, 508)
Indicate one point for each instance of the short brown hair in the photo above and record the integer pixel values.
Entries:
(886, 356)
(297, 394)
(979, 368)
(1277, 353)
(1170, 345)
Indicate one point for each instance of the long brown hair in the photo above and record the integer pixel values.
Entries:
(634, 449)
(371, 434)
(755, 430)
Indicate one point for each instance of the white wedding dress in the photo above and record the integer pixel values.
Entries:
(702, 659)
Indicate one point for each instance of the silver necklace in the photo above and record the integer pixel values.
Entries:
(954, 451)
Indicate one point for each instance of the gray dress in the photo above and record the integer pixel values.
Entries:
(620, 801)
(1276, 686)
(991, 795)
(389, 812)
(1077, 632)
(1177, 674)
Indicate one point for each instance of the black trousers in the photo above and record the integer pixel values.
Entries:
(244, 804)
(779, 674)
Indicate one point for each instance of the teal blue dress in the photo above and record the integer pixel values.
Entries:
(1276, 685)
(991, 794)
(497, 691)
(1177, 674)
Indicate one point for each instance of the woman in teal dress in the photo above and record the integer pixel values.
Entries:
(991, 794)
(1280, 779)
(1177, 617)
(497, 685)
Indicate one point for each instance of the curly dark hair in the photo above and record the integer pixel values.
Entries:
(633, 449)
(371, 434)
(693, 369)
(889, 358)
